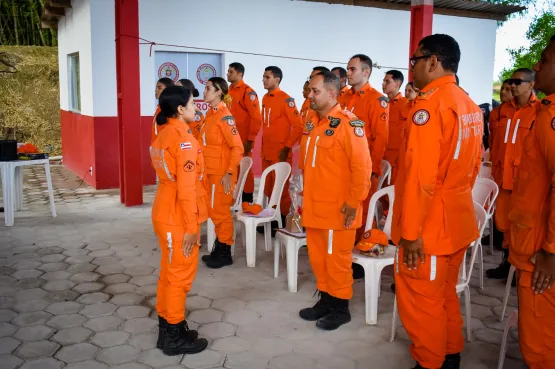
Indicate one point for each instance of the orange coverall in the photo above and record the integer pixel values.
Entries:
(197, 124)
(509, 130)
(245, 108)
(179, 208)
(305, 110)
(336, 162)
(222, 149)
(433, 201)
(398, 111)
(282, 127)
(532, 229)
(155, 127)
(344, 97)
(372, 108)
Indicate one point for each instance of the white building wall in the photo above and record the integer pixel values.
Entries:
(74, 35)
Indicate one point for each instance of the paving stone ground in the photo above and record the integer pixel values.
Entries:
(78, 291)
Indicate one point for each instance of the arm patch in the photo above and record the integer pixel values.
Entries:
(356, 123)
(229, 119)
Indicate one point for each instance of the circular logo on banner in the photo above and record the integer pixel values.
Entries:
(168, 70)
(205, 72)
(421, 117)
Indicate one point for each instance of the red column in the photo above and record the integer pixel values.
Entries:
(421, 19)
(129, 102)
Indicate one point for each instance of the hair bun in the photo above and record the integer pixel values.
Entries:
(161, 119)
(227, 99)
(195, 93)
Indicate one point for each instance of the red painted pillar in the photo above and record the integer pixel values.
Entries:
(129, 102)
(421, 19)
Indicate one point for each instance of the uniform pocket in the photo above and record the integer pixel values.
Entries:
(212, 157)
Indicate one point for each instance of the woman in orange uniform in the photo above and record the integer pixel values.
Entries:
(176, 217)
(199, 117)
(223, 150)
(161, 85)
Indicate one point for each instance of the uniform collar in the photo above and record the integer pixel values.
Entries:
(239, 85)
(344, 90)
(397, 97)
(174, 122)
(333, 113)
(550, 98)
(274, 92)
(436, 83)
(532, 100)
(363, 90)
(220, 106)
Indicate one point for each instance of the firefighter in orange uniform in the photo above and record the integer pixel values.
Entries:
(515, 119)
(245, 109)
(305, 108)
(199, 117)
(160, 86)
(176, 216)
(372, 108)
(434, 218)
(334, 152)
(345, 92)
(222, 148)
(532, 220)
(282, 128)
(397, 117)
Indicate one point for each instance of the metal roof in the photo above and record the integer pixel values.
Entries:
(469, 8)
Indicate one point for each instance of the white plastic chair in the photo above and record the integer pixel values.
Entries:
(512, 321)
(485, 193)
(464, 277)
(507, 291)
(486, 155)
(244, 167)
(292, 244)
(373, 266)
(270, 213)
(386, 173)
(485, 170)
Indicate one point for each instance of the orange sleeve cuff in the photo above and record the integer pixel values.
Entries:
(549, 247)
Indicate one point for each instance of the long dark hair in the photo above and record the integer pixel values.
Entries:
(221, 85)
(167, 82)
(188, 84)
(170, 99)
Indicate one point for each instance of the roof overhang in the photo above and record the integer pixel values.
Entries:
(459, 8)
(53, 10)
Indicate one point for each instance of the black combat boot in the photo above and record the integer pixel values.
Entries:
(322, 308)
(215, 250)
(162, 326)
(222, 258)
(177, 341)
(452, 361)
(358, 271)
(502, 271)
(339, 315)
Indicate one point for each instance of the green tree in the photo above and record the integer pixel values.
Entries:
(20, 24)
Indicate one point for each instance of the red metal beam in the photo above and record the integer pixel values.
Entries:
(129, 102)
(421, 20)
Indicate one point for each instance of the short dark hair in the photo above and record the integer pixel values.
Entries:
(189, 85)
(321, 69)
(275, 71)
(396, 75)
(167, 82)
(529, 73)
(445, 48)
(239, 68)
(170, 99)
(411, 84)
(331, 80)
(342, 72)
(365, 60)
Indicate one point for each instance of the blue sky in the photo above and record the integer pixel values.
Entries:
(513, 35)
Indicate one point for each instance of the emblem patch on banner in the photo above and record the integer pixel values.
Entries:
(205, 72)
(168, 70)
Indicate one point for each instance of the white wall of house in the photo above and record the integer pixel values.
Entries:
(275, 27)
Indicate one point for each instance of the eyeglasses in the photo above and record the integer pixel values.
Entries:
(414, 59)
(516, 81)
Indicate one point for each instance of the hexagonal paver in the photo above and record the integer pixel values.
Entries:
(156, 358)
(119, 288)
(64, 307)
(53, 267)
(88, 287)
(34, 333)
(7, 290)
(32, 318)
(22, 265)
(93, 298)
(7, 280)
(50, 250)
(76, 252)
(242, 317)
(102, 253)
(8, 344)
(89, 364)
(140, 325)
(7, 315)
(118, 354)
(43, 363)
(229, 345)
(110, 338)
(84, 277)
(32, 305)
(291, 361)
(27, 273)
(96, 310)
(97, 246)
(138, 270)
(130, 366)
(80, 259)
(109, 260)
(227, 305)
(488, 335)
(144, 280)
(206, 316)
(109, 269)
(217, 330)
(73, 335)
(149, 290)
(204, 359)
(246, 360)
(272, 347)
(82, 268)
(104, 323)
(10, 361)
(59, 296)
(66, 321)
(52, 258)
(60, 285)
(77, 353)
(56, 276)
(115, 278)
(132, 312)
(30, 283)
(30, 294)
(127, 299)
(145, 341)
(198, 303)
(31, 350)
